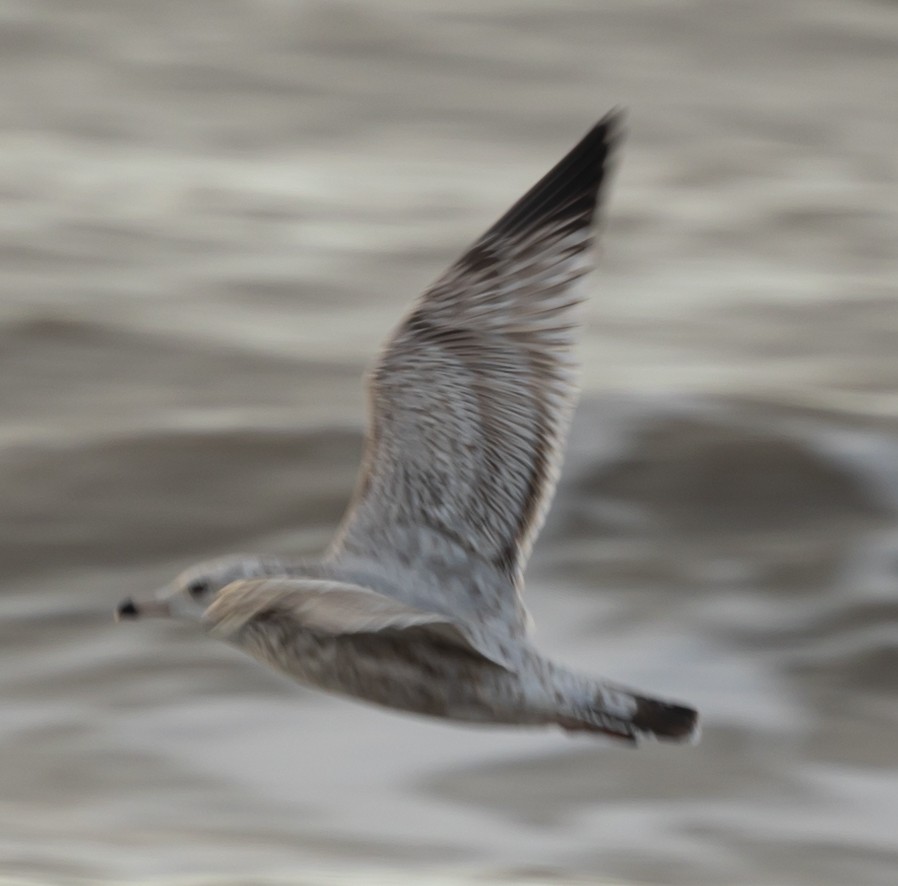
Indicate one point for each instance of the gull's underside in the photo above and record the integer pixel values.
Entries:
(417, 603)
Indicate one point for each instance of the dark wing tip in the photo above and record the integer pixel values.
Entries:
(571, 190)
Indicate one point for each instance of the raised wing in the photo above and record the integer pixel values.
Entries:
(335, 609)
(472, 396)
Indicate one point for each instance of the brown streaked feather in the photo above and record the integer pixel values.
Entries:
(472, 396)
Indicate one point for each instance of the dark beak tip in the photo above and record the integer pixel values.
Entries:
(126, 609)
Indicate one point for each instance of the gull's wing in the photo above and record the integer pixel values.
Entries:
(472, 396)
(336, 609)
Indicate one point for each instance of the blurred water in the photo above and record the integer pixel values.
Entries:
(213, 212)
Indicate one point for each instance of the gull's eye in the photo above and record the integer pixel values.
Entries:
(197, 588)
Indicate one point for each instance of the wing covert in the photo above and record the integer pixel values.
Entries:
(337, 609)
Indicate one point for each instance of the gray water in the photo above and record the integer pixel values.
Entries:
(212, 212)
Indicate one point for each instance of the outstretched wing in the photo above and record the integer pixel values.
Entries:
(472, 396)
(336, 609)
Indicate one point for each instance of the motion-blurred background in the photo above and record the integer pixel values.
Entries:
(214, 210)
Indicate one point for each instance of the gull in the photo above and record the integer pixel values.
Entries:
(416, 605)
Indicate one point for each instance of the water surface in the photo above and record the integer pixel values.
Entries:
(213, 212)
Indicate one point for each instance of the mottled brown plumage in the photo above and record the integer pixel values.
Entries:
(417, 604)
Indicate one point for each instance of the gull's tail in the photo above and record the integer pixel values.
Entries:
(627, 716)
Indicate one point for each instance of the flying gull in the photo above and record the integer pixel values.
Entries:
(417, 604)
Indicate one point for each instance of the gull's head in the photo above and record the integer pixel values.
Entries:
(188, 596)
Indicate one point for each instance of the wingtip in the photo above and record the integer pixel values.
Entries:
(615, 119)
(606, 137)
(613, 127)
(573, 187)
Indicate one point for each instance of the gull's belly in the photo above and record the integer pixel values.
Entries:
(409, 674)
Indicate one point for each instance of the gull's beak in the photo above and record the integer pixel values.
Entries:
(130, 609)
